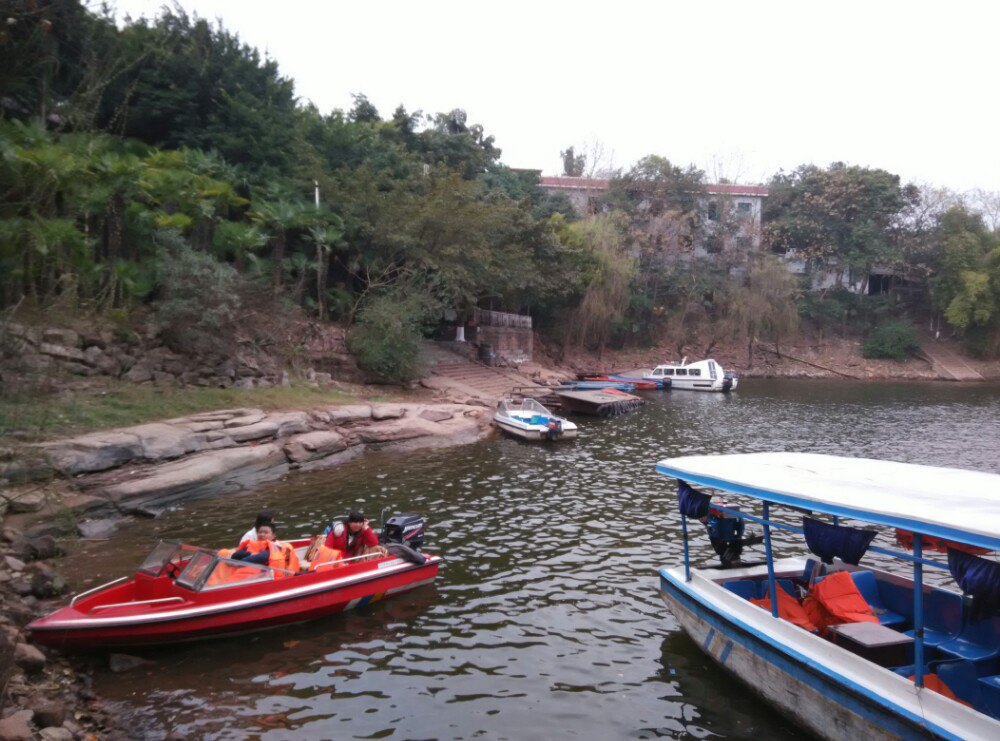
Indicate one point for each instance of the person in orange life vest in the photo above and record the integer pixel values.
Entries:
(264, 517)
(319, 555)
(353, 536)
(267, 550)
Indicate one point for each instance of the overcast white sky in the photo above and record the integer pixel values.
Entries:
(739, 89)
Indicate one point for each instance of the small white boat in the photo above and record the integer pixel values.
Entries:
(701, 375)
(857, 652)
(529, 420)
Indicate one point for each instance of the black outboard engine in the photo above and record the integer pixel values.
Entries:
(555, 428)
(405, 529)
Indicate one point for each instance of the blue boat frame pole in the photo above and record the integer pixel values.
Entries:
(772, 585)
(918, 611)
(687, 556)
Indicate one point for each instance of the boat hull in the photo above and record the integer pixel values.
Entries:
(284, 603)
(830, 707)
(530, 433)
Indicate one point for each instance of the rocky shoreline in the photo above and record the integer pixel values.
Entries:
(87, 484)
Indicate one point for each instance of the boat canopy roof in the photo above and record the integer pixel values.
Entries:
(952, 503)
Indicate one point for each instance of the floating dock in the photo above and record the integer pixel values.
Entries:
(599, 403)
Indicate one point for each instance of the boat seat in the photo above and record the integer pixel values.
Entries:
(942, 617)
(989, 688)
(961, 678)
(976, 643)
(745, 588)
(868, 586)
(787, 584)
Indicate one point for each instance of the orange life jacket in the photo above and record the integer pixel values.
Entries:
(836, 600)
(281, 555)
(788, 609)
(326, 555)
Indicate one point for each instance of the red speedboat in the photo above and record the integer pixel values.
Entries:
(183, 593)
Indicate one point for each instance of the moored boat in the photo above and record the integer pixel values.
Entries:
(183, 593)
(528, 419)
(701, 375)
(849, 651)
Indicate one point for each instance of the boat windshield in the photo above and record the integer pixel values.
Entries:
(165, 553)
(206, 570)
(530, 405)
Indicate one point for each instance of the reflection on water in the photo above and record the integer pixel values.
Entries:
(544, 621)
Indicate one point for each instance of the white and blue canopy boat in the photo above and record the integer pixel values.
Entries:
(701, 375)
(530, 420)
(892, 656)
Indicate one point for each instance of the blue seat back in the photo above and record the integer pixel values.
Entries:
(962, 679)
(868, 586)
(943, 611)
(745, 588)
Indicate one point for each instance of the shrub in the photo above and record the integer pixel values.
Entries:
(895, 340)
(386, 341)
(198, 296)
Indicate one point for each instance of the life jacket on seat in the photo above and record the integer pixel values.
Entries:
(836, 600)
(325, 556)
(283, 556)
(788, 609)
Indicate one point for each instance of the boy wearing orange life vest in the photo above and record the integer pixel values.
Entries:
(268, 551)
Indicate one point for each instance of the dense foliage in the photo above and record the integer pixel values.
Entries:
(895, 340)
(137, 160)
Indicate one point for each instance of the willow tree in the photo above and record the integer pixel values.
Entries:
(605, 300)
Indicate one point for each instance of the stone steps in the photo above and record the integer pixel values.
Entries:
(946, 362)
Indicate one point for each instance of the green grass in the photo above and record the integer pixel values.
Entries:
(36, 417)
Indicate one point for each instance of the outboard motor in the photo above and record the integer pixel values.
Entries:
(727, 383)
(405, 529)
(555, 428)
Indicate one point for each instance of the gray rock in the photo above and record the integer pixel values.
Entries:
(349, 413)
(56, 733)
(94, 355)
(119, 663)
(44, 546)
(48, 712)
(61, 337)
(17, 727)
(436, 415)
(243, 420)
(394, 430)
(14, 564)
(98, 451)
(162, 378)
(387, 411)
(161, 441)
(62, 352)
(243, 383)
(202, 473)
(35, 362)
(139, 374)
(267, 428)
(291, 423)
(98, 528)
(30, 502)
(29, 658)
(312, 445)
(79, 369)
(45, 582)
(204, 426)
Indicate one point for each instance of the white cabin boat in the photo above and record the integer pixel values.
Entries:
(701, 375)
(890, 656)
(530, 420)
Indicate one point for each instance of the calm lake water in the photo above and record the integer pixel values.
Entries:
(544, 621)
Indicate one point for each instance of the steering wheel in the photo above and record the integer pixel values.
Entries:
(172, 570)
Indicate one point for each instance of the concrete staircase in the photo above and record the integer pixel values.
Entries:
(460, 372)
(945, 361)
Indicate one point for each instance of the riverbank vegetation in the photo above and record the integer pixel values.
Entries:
(66, 414)
(164, 165)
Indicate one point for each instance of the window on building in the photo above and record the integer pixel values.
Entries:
(713, 210)
(743, 207)
(713, 243)
(743, 243)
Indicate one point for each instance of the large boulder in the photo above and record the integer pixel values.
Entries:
(98, 451)
(29, 658)
(17, 727)
(312, 445)
(387, 411)
(266, 428)
(395, 430)
(161, 441)
(201, 473)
